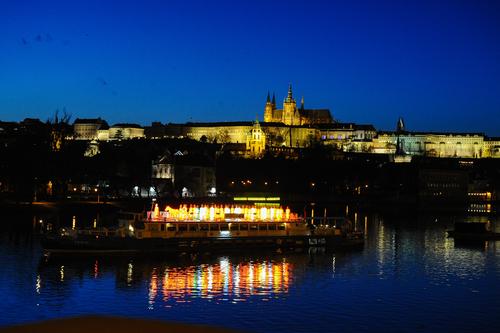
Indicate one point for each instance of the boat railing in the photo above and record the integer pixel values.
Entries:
(335, 221)
(96, 232)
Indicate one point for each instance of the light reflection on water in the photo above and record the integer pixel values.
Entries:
(409, 277)
(221, 281)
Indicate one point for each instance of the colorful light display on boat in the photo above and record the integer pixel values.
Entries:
(221, 213)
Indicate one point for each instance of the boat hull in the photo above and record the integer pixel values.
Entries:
(474, 236)
(129, 245)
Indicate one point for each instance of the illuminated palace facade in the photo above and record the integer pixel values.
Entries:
(435, 144)
(295, 126)
(287, 128)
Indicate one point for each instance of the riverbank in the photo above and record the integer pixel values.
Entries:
(116, 324)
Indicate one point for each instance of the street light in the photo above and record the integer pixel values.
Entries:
(97, 191)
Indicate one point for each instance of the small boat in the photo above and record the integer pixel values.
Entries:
(473, 231)
(204, 229)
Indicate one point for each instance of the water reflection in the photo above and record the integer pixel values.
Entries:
(224, 280)
(169, 281)
(408, 269)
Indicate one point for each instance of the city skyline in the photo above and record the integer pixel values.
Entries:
(436, 65)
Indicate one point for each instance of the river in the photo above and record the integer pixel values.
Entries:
(409, 277)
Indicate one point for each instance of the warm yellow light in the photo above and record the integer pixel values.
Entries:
(203, 213)
(218, 213)
(156, 213)
(212, 213)
(263, 213)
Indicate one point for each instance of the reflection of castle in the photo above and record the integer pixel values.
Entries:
(291, 115)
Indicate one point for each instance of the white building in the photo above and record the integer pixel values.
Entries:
(88, 129)
(125, 132)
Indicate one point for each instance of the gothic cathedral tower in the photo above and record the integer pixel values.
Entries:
(268, 110)
(289, 109)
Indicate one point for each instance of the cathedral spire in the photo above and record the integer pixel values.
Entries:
(289, 98)
(274, 100)
(268, 97)
(400, 127)
(302, 103)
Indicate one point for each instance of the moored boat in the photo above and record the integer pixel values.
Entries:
(205, 229)
(473, 231)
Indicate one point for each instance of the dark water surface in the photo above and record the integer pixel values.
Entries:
(409, 278)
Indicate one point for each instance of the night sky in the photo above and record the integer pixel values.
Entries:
(435, 63)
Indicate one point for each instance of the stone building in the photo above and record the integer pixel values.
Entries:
(291, 115)
(187, 175)
(88, 129)
(256, 141)
(125, 132)
(348, 136)
(276, 134)
(465, 145)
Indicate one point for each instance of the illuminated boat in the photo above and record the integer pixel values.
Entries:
(206, 229)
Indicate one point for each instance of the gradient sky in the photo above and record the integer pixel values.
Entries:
(436, 63)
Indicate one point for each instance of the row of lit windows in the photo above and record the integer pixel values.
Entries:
(437, 185)
(217, 227)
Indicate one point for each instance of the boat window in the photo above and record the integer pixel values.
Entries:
(243, 226)
(193, 227)
(182, 227)
(224, 227)
(281, 227)
(234, 226)
(253, 227)
(262, 227)
(271, 226)
(214, 227)
(171, 228)
(162, 227)
(153, 227)
(204, 227)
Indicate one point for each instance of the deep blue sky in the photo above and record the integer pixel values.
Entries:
(435, 63)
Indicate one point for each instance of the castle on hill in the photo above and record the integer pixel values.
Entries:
(291, 115)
